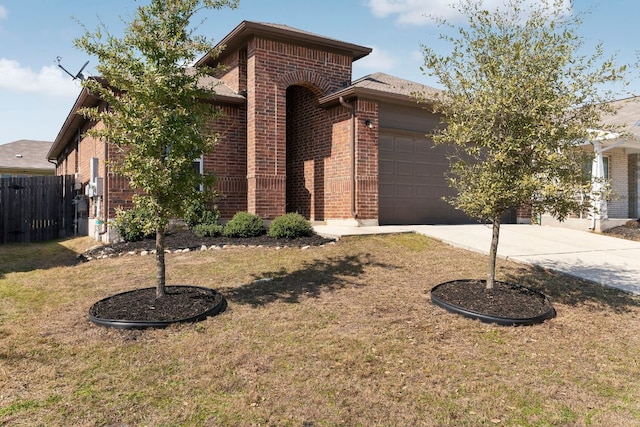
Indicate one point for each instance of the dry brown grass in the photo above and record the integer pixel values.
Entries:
(343, 335)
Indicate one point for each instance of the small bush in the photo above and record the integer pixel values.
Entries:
(244, 224)
(290, 226)
(198, 213)
(134, 224)
(634, 223)
(208, 230)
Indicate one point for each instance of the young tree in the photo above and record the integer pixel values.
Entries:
(157, 107)
(517, 96)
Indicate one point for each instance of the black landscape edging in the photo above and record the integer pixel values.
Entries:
(487, 318)
(145, 324)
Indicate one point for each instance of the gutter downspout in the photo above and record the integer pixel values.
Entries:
(354, 213)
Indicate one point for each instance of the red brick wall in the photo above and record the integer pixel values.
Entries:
(338, 179)
(228, 161)
(367, 160)
(272, 67)
(119, 193)
(232, 70)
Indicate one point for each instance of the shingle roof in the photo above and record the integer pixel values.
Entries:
(25, 154)
(390, 84)
(222, 91)
(383, 87)
(627, 117)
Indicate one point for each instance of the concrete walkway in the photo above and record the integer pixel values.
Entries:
(606, 260)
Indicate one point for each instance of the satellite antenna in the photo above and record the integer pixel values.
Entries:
(78, 75)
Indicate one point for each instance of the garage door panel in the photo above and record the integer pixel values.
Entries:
(403, 168)
(423, 191)
(422, 169)
(404, 145)
(386, 167)
(385, 142)
(386, 191)
(404, 191)
(425, 147)
(412, 191)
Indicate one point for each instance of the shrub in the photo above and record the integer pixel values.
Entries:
(290, 226)
(634, 223)
(134, 224)
(198, 213)
(208, 230)
(244, 224)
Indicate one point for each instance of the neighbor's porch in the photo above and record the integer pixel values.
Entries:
(617, 162)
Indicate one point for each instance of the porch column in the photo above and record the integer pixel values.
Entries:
(598, 202)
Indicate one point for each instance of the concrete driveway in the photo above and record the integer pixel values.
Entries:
(606, 260)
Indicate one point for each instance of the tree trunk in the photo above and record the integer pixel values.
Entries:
(493, 253)
(160, 266)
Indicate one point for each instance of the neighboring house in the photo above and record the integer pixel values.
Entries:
(298, 135)
(25, 158)
(617, 160)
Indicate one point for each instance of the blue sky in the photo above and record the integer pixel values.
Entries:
(36, 96)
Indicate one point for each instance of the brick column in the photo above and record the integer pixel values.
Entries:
(266, 144)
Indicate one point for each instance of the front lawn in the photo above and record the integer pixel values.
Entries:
(343, 334)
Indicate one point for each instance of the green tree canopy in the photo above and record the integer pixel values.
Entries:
(518, 94)
(157, 106)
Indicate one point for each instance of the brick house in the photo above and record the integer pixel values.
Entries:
(298, 135)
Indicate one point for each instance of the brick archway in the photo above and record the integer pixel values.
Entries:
(307, 79)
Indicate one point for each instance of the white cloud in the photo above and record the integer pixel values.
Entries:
(417, 55)
(378, 60)
(3, 12)
(421, 12)
(415, 12)
(50, 80)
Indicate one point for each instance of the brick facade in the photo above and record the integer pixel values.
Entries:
(228, 161)
(272, 67)
(367, 160)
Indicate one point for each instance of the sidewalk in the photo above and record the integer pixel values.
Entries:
(606, 260)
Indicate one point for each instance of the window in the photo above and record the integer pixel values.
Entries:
(587, 167)
(198, 167)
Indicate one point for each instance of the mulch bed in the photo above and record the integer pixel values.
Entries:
(504, 300)
(508, 301)
(185, 239)
(631, 231)
(180, 302)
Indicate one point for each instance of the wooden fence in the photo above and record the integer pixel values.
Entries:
(37, 208)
